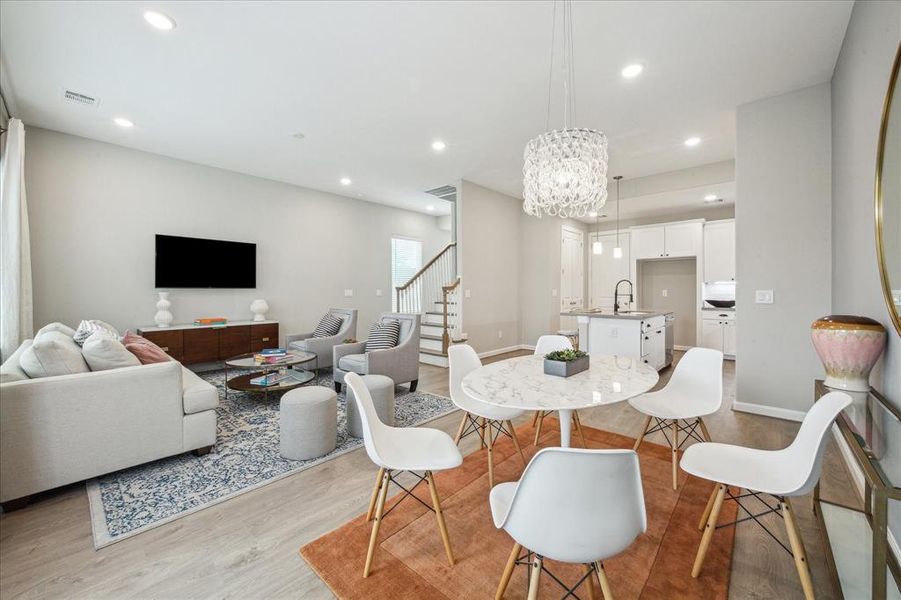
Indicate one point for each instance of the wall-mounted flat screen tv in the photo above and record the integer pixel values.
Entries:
(185, 262)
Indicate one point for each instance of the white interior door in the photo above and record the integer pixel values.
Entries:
(571, 273)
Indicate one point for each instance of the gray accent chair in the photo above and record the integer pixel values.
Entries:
(400, 363)
(322, 347)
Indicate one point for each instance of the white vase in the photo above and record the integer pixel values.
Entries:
(258, 308)
(163, 317)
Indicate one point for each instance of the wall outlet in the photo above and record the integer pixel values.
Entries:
(348, 293)
(500, 334)
(467, 294)
(554, 293)
(763, 296)
(665, 293)
(614, 332)
(378, 293)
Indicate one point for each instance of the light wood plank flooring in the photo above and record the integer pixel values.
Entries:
(247, 547)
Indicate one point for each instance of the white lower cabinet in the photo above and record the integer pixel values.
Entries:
(718, 332)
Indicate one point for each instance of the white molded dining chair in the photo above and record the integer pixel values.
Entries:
(781, 474)
(694, 391)
(571, 505)
(479, 417)
(545, 344)
(395, 450)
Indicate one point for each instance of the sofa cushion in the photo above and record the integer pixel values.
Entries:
(328, 326)
(356, 363)
(61, 327)
(103, 352)
(146, 351)
(52, 353)
(10, 370)
(197, 394)
(383, 335)
(87, 328)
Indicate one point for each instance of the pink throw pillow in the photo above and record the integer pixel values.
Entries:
(146, 351)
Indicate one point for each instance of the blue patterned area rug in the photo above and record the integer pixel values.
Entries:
(246, 456)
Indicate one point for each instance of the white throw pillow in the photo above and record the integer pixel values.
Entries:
(60, 327)
(87, 328)
(52, 353)
(103, 352)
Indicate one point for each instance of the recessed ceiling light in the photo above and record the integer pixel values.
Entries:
(438, 146)
(159, 20)
(430, 207)
(710, 198)
(123, 122)
(630, 71)
(345, 181)
(298, 136)
(692, 141)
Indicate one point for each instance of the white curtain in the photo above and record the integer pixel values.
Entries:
(15, 251)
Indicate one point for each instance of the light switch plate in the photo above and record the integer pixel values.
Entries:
(763, 296)
(554, 293)
(378, 293)
(665, 293)
(348, 293)
(468, 293)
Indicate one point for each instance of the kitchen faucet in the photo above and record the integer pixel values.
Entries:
(616, 294)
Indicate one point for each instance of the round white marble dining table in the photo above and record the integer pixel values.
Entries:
(521, 383)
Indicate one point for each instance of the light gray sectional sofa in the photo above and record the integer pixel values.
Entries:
(66, 428)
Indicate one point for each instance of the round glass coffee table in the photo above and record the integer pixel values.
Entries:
(288, 367)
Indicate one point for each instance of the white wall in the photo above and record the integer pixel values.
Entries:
(783, 220)
(94, 209)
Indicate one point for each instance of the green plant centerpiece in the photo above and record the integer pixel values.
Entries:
(564, 363)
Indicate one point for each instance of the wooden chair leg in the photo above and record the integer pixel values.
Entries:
(589, 581)
(535, 417)
(534, 578)
(578, 424)
(707, 508)
(375, 494)
(461, 428)
(379, 512)
(704, 429)
(644, 431)
(794, 537)
(508, 572)
(538, 429)
(516, 442)
(439, 516)
(482, 431)
(709, 529)
(602, 577)
(490, 440)
(675, 454)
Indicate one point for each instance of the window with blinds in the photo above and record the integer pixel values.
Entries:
(406, 259)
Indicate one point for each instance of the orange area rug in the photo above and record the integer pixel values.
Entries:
(410, 561)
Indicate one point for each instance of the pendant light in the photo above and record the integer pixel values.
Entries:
(617, 251)
(565, 170)
(597, 247)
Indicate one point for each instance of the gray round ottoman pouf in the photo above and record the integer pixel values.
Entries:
(308, 422)
(381, 388)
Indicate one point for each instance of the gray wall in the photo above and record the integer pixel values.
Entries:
(95, 207)
(679, 279)
(858, 89)
(783, 220)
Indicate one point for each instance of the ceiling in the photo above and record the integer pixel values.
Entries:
(372, 84)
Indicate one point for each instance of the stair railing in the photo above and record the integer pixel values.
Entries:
(425, 291)
(451, 296)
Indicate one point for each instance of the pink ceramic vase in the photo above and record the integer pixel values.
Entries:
(849, 346)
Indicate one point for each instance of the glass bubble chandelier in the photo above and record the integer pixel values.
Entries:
(565, 170)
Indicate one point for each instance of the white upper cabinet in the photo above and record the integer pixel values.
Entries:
(607, 270)
(647, 242)
(719, 251)
(671, 240)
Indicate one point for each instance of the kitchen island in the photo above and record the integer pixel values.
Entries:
(644, 335)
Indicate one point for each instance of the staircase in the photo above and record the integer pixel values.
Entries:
(433, 293)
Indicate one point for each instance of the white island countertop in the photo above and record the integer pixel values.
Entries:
(606, 313)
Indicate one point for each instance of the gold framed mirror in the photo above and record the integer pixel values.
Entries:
(888, 196)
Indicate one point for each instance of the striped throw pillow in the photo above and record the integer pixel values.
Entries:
(329, 325)
(87, 328)
(384, 335)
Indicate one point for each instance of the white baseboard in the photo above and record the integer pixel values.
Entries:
(769, 411)
(497, 351)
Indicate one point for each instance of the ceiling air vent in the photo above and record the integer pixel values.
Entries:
(78, 98)
(445, 192)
